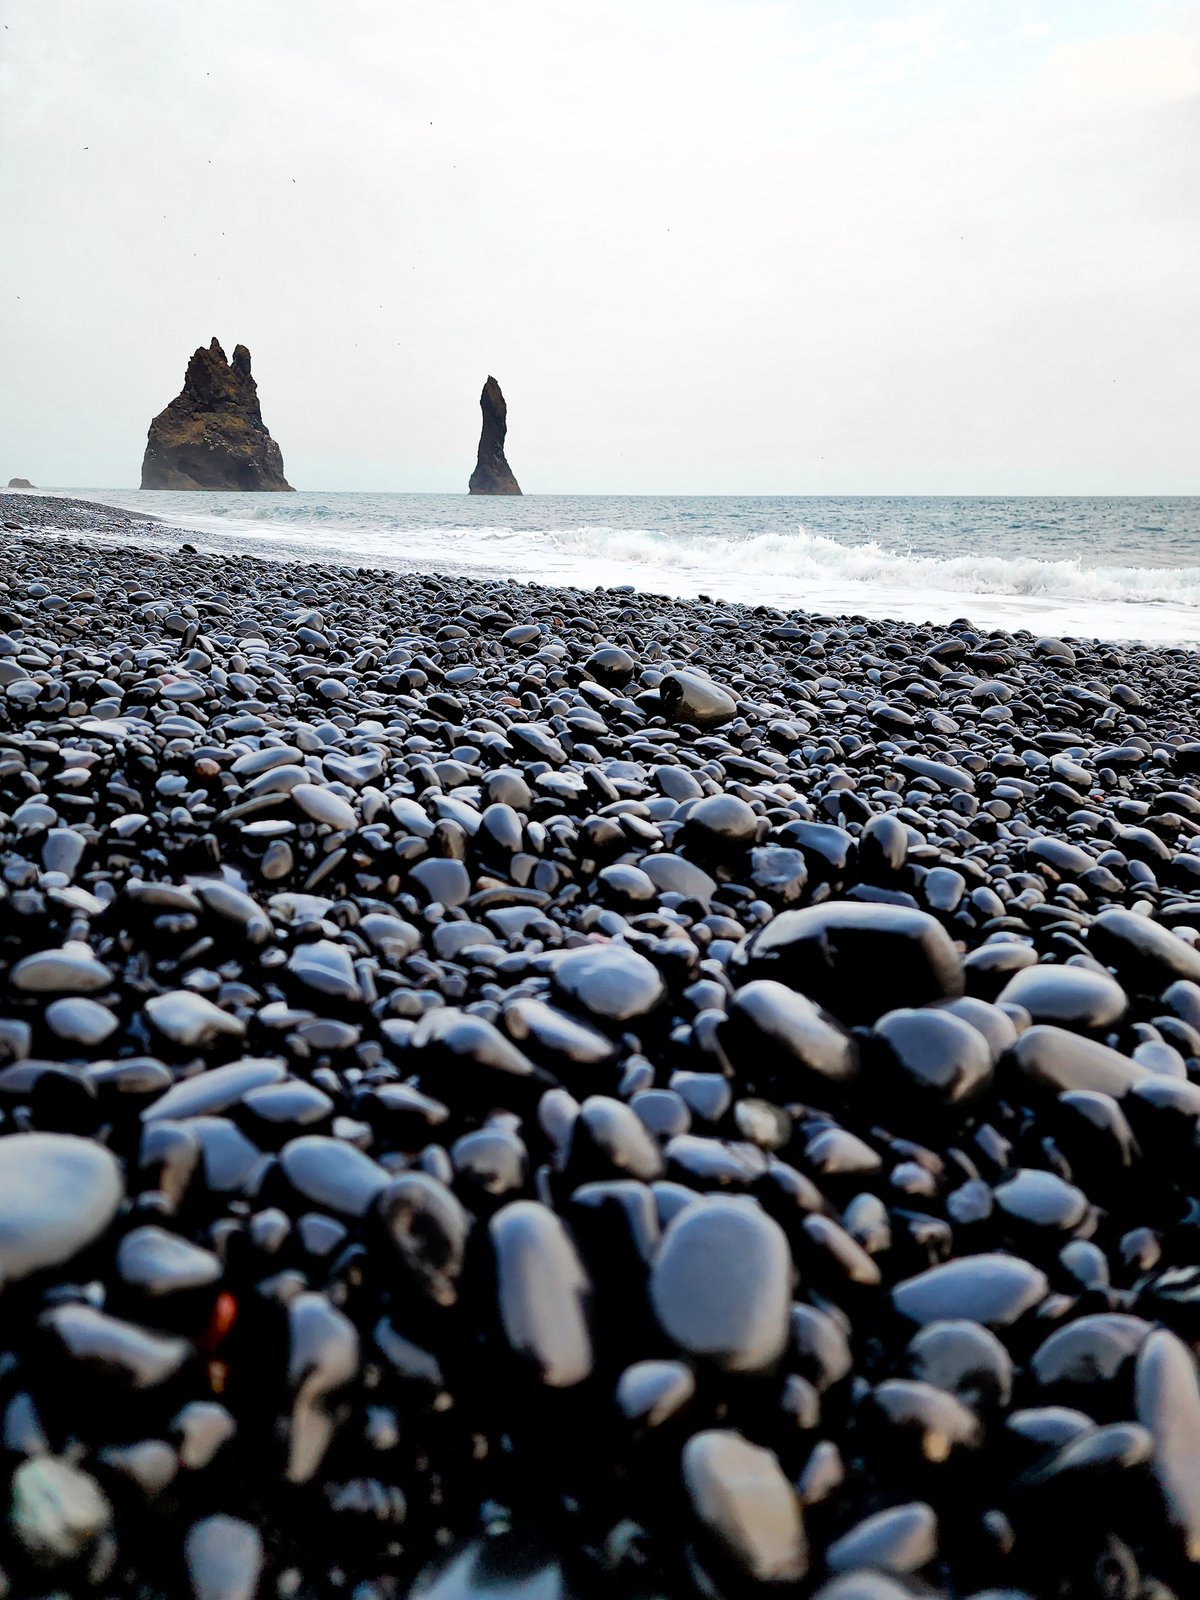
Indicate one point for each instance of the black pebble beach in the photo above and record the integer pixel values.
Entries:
(510, 1093)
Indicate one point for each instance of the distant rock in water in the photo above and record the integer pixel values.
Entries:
(492, 474)
(21, 483)
(212, 436)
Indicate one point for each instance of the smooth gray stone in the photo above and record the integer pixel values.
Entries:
(207, 1094)
(901, 1539)
(1041, 1199)
(159, 1262)
(224, 1558)
(58, 1194)
(190, 1019)
(134, 1356)
(1067, 996)
(320, 804)
(992, 1289)
(57, 1511)
(333, 1174)
(721, 1286)
(79, 1020)
(323, 1356)
(744, 1502)
(613, 983)
(71, 970)
(1167, 1400)
(543, 1291)
(327, 968)
(650, 1392)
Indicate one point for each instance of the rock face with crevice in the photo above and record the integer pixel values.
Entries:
(212, 434)
(492, 474)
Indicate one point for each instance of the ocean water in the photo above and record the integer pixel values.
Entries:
(1109, 568)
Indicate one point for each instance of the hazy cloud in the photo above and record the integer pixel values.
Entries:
(705, 244)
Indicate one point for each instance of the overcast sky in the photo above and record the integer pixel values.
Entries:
(744, 246)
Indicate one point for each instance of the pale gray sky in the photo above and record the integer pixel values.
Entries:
(755, 246)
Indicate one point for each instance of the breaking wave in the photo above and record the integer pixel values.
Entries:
(802, 555)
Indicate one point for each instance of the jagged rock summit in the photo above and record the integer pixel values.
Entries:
(212, 435)
(492, 474)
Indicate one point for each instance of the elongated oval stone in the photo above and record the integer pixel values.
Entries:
(1058, 1060)
(1167, 1395)
(1146, 955)
(543, 1291)
(992, 1289)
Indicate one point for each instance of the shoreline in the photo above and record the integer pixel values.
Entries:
(111, 523)
(417, 991)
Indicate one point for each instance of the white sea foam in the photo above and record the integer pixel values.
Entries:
(720, 548)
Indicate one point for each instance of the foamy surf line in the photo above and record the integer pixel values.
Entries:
(794, 570)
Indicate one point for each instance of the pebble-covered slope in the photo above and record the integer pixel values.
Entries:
(712, 1092)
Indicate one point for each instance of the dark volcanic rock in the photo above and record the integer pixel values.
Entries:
(827, 951)
(492, 474)
(478, 1056)
(212, 434)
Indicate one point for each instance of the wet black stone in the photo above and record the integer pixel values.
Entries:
(882, 846)
(934, 1056)
(1069, 997)
(689, 697)
(1056, 1060)
(778, 1036)
(611, 666)
(720, 826)
(609, 1139)
(1146, 955)
(464, 1059)
(825, 951)
(389, 937)
(428, 1227)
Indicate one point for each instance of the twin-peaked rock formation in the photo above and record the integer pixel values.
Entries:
(212, 435)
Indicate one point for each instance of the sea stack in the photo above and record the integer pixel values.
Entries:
(492, 474)
(20, 483)
(212, 435)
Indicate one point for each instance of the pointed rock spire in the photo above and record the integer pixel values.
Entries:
(212, 435)
(492, 474)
